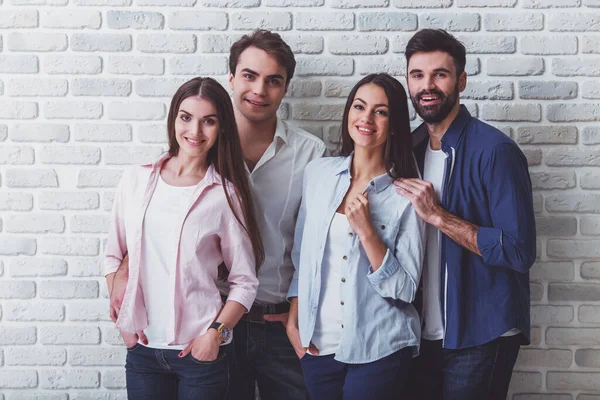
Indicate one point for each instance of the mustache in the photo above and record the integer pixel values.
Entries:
(430, 92)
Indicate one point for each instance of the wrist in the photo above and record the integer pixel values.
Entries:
(436, 217)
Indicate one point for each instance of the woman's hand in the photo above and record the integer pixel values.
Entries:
(131, 339)
(204, 347)
(359, 216)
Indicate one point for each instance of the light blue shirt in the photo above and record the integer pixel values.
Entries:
(377, 316)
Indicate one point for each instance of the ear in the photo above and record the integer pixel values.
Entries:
(231, 81)
(462, 81)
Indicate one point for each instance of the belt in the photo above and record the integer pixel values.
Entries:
(258, 311)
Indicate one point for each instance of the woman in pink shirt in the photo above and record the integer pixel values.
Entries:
(185, 221)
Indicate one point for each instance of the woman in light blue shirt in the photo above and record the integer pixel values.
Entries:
(358, 252)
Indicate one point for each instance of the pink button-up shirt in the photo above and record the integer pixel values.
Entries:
(209, 235)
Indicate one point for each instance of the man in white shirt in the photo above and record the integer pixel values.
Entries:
(261, 66)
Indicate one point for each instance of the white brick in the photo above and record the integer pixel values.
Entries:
(33, 311)
(300, 3)
(102, 133)
(37, 266)
(541, 134)
(548, 90)
(18, 379)
(18, 109)
(172, 43)
(111, 335)
(572, 112)
(11, 19)
(35, 356)
(39, 2)
(84, 155)
(358, 44)
(576, 67)
(17, 290)
(579, 203)
(590, 90)
(69, 246)
(385, 21)
(304, 88)
(394, 66)
(562, 248)
(590, 181)
(303, 44)
(488, 44)
(550, 3)
(68, 289)
(16, 201)
(90, 223)
(515, 66)
(92, 310)
(155, 133)
(198, 65)
(87, 356)
(138, 111)
(16, 155)
(34, 223)
(134, 20)
(131, 155)
(522, 21)
(31, 178)
(135, 65)
(37, 87)
(72, 109)
(545, 358)
(102, 396)
(512, 112)
(273, 21)
(86, 267)
(17, 335)
(488, 90)
(114, 379)
(486, 3)
(99, 178)
(569, 22)
(101, 3)
(100, 87)
(70, 379)
(551, 314)
(34, 41)
(158, 87)
(70, 19)
(554, 180)
(198, 20)
(42, 396)
(100, 42)
(590, 135)
(69, 64)
(526, 381)
(64, 200)
(175, 3)
(456, 22)
(548, 45)
(40, 133)
(323, 20)
(317, 112)
(324, 66)
(590, 44)
(217, 43)
(422, 3)
(71, 335)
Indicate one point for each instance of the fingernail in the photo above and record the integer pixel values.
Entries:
(181, 354)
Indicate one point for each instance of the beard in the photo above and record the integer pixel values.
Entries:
(434, 114)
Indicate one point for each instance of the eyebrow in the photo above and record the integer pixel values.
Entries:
(206, 116)
(376, 105)
(273, 76)
(435, 70)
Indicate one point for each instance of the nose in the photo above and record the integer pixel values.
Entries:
(429, 82)
(195, 129)
(259, 88)
(367, 117)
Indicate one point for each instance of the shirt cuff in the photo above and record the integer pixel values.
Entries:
(111, 267)
(388, 267)
(243, 298)
(293, 290)
(488, 238)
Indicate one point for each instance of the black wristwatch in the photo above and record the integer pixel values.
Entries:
(224, 331)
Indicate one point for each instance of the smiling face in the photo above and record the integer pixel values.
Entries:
(368, 117)
(433, 85)
(258, 85)
(196, 126)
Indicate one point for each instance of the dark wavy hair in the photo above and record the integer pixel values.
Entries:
(428, 40)
(398, 156)
(226, 155)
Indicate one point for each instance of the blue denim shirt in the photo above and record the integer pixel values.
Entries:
(377, 314)
(486, 182)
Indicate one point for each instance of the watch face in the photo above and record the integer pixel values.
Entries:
(225, 332)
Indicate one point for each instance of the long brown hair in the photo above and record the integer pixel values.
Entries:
(226, 155)
(397, 156)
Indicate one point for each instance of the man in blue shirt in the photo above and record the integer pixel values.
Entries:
(476, 197)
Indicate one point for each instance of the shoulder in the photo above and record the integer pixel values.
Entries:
(303, 139)
(324, 165)
(487, 137)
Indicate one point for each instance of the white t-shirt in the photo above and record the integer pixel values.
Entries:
(433, 328)
(328, 328)
(160, 241)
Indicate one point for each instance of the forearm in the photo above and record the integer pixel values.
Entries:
(293, 313)
(109, 282)
(462, 232)
(231, 313)
(375, 250)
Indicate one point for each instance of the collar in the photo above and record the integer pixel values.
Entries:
(281, 131)
(379, 183)
(452, 136)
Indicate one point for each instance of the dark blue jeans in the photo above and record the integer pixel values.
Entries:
(265, 356)
(328, 379)
(156, 374)
(474, 373)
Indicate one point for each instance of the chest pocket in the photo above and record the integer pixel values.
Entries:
(387, 232)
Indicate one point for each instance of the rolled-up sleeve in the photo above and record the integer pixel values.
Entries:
(399, 274)
(238, 257)
(116, 241)
(510, 242)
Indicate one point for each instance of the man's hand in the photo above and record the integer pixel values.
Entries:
(117, 290)
(130, 339)
(423, 198)
(293, 333)
(283, 318)
(204, 347)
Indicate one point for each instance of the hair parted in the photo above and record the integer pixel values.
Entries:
(225, 155)
(398, 156)
(428, 40)
(269, 42)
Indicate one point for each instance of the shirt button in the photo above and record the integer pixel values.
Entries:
(342, 326)
(342, 302)
(343, 279)
(350, 234)
(345, 257)
(372, 183)
(382, 226)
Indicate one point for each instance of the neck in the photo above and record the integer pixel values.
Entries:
(184, 165)
(367, 163)
(437, 131)
(255, 131)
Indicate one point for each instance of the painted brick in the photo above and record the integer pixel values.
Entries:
(589, 314)
(98, 178)
(544, 358)
(69, 246)
(37, 87)
(134, 20)
(523, 21)
(19, 379)
(358, 44)
(69, 379)
(19, 64)
(114, 379)
(31, 310)
(86, 267)
(198, 65)
(15, 19)
(589, 180)
(568, 249)
(70, 64)
(69, 335)
(422, 3)
(576, 67)
(17, 335)
(512, 112)
(18, 109)
(547, 90)
(34, 223)
(551, 314)
(548, 45)
(17, 289)
(323, 20)
(385, 21)
(72, 109)
(93, 310)
(16, 201)
(100, 42)
(198, 21)
(90, 356)
(453, 22)
(136, 111)
(573, 381)
(16, 155)
(572, 157)
(488, 44)
(36, 356)
(303, 44)
(273, 21)
(102, 133)
(558, 134)
(100, 87)
(556, 226)
(573, 22)
(38, 266)
(155, 133)
(71, 19)
(65, 200)
(515, 66)
(324, 66)
(590, 45)
(488, 90)
(135, 65)
(31, 178)
(37, 42)
(573, 292)
(84, 155)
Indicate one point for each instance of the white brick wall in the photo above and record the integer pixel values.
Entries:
(84, 89)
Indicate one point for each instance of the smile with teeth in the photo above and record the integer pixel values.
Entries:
(193, 142)
(361, 129)
(257, 104)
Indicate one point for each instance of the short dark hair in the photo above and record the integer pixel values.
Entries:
(428, 40)
(269, 42)
(398, 156)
